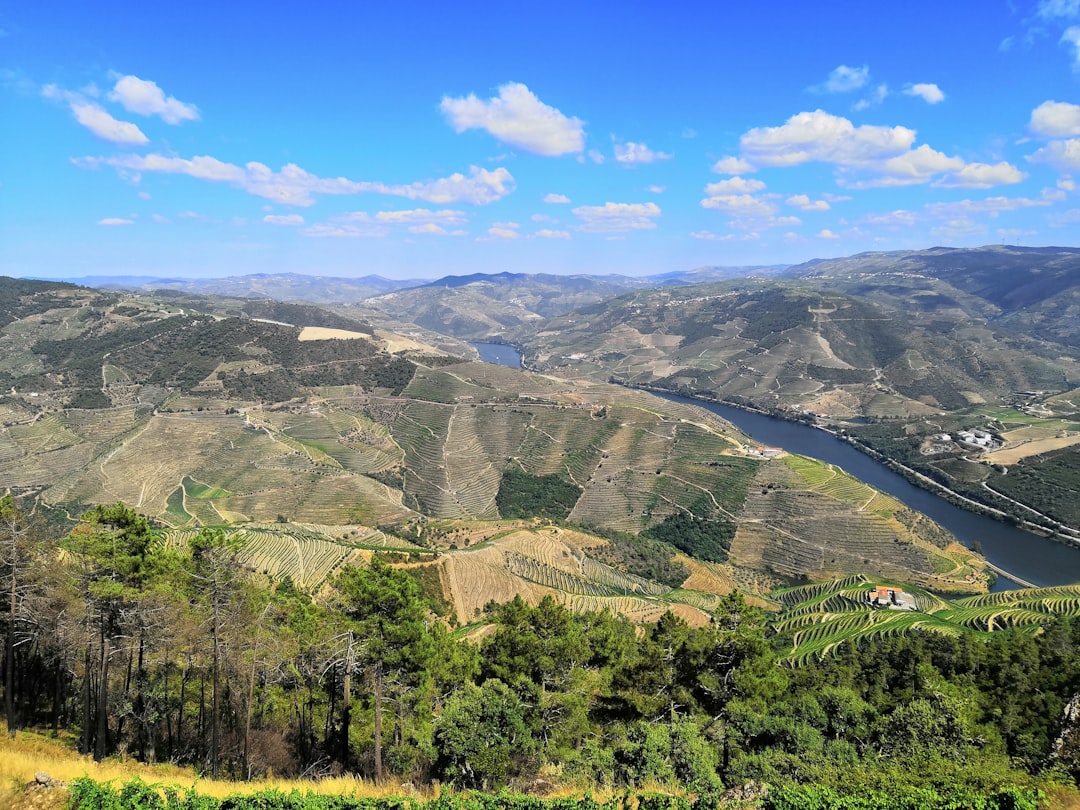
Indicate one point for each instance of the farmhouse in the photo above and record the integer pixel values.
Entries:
(978, 438)
(763, 452)
(886, 596)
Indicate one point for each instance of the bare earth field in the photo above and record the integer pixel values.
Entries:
(1011, 455)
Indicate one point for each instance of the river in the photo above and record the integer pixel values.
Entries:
(1027, 556)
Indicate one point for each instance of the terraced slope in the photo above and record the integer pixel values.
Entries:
(816, 619)
(226, 421)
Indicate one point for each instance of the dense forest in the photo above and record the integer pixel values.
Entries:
(176, 653)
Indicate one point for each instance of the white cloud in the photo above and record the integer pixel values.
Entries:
(631, 152)
(734, 185)
(98, 121)
(479, 188)
(820, 136)
(1056, 119)
(596, 156)
(844, 79)
(1062, 155)
(982, 175)
(294, 186)
(556, 199)
(1071, 37)
(886, 152)
(930, 93)
(95, 118)
(144, 195)
(656, 189)
(616, 217)
(825, 233)
(547, 233)
(423, 216)
(502, 230)
(517, 117)
(806, 204)
(1066, 184)
(116, 221)
(284, 219)
(146, 98)
(432, 229)
(732, 165)
(740, 205)
(160, 220)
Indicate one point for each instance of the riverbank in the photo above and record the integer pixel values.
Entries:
(1049, 530)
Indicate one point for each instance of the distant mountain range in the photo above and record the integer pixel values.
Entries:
(318, 289)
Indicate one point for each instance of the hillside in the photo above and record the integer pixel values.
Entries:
(510, 306)
(877, 334)
(199, 420)
(1032, 291)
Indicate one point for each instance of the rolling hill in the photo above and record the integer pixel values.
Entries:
(200, 420)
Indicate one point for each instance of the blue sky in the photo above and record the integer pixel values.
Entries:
(414, 140)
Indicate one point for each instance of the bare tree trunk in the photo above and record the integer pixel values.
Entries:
(101, 741)
(214, 731)
(9, 652)
(251, 699)
(346, 708)
(86, 692)
(378, 724)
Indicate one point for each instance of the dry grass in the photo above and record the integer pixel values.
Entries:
(1062, 797)
(29, 754)
(1011, 455)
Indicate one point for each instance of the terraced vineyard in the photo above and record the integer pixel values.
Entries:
(357, 458)
(307, 557)
(817, 618)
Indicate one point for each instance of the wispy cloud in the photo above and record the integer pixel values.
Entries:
(556, 199)
(631, 153)
(116, 221)
(293, 185)
(617, 217)
(518, 118)
(844, 79)
(284, 219)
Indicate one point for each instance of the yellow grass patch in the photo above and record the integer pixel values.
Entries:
(30, 753)
(322, 333)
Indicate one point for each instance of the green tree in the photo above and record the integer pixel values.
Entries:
(481, 736)
(214, 574)
(388, 618)
(114, 548)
